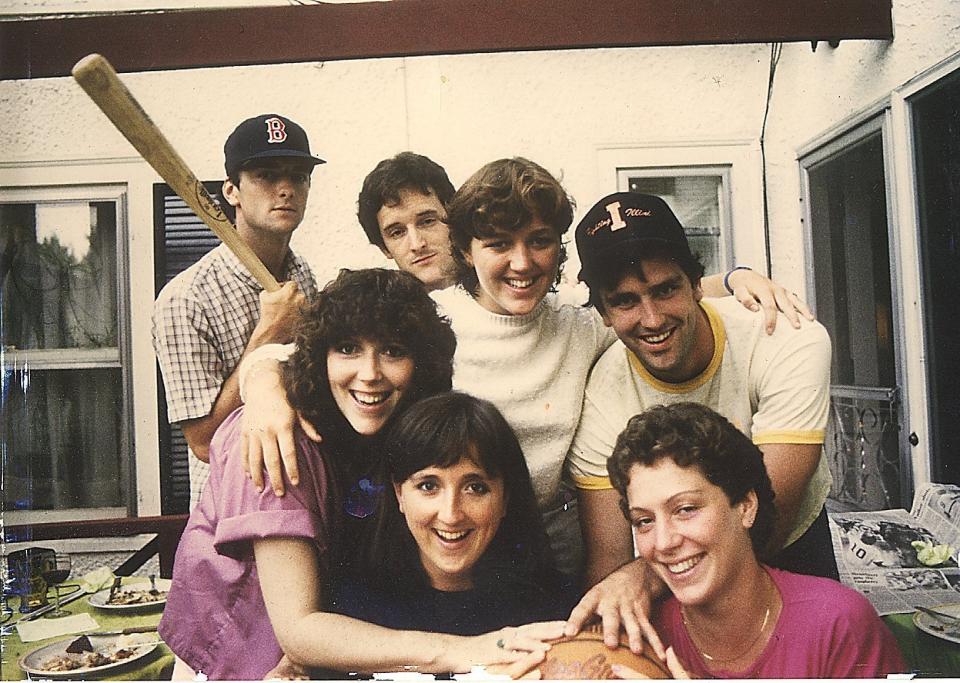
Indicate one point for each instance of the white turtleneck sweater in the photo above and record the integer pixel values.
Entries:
(534, 368)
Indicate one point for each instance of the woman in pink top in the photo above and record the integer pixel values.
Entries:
(697, 494)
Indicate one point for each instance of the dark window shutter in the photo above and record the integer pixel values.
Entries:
(180, 239)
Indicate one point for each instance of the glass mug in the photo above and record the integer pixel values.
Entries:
(25, 569)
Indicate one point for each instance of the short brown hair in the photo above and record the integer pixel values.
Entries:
(382, 186)
(693, 435)
(505, 194)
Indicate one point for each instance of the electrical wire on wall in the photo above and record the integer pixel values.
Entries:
(775, 49)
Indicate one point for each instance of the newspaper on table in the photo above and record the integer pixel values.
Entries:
(875, 555)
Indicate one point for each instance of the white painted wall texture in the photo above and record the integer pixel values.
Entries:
(557, 108)
(554, 107)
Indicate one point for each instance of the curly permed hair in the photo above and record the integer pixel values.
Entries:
(693, 435)
(376, 304)
(505, 195)
(382, 186)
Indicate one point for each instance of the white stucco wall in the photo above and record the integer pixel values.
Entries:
(554, 107)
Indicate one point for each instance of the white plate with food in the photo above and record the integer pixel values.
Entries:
(133, 595)
(109, 653)
(940, 626)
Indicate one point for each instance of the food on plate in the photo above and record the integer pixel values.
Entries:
(132, 596)
(87, 660)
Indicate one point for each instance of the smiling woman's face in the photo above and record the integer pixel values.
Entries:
(453, 514)
(515, 270)
(368, 379)
(687, 529)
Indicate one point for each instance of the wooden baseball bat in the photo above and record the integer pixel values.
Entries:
(98, 78)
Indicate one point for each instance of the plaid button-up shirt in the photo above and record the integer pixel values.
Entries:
(202, 321)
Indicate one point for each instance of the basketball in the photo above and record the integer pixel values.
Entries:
(585, 657)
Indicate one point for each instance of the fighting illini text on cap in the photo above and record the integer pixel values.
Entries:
(616, 229)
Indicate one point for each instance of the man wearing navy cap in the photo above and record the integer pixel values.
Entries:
(674, 346)
(213, 313)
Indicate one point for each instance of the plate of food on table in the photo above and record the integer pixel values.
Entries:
(138, 593)
(943, 621)
(87, 657)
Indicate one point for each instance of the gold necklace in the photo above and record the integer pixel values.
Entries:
(717, 660)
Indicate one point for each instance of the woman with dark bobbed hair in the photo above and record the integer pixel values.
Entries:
(696, 492)
(252, 569)
(460, 547)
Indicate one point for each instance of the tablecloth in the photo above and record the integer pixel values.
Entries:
(158, 665)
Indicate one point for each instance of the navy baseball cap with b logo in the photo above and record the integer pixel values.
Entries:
(619, 227)
(263, 137)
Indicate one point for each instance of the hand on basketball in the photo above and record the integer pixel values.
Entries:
(513, 651)
(622, 600)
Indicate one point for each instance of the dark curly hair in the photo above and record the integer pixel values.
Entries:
(438, 432)
(382, 186)
(380, 305)
(505, 195)
(692, 435)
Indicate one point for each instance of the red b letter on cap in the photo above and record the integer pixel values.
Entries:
(276, 131)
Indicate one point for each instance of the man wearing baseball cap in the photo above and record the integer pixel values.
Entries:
(215, 312)
(675, 346)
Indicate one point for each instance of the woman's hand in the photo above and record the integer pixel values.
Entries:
(673, 666)
(267, 428)
(513, 651)
(755, 291)
(623, 599)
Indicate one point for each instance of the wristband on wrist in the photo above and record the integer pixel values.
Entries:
(726, 278)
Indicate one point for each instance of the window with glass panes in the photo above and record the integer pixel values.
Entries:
(64, 411)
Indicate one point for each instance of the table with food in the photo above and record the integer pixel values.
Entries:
(107, 634)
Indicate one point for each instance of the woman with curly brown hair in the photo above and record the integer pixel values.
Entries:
(252, 567)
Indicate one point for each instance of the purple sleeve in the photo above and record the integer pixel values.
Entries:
(244, 514)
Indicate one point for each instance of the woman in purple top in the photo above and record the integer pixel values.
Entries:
(697, 494)
(252, 568)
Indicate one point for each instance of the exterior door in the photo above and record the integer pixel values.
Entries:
(849, 251)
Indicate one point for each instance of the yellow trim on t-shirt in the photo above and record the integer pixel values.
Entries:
(719, 344)
(592, 483)
(813, 436)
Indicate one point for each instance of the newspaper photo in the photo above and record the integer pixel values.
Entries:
(876, 556)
